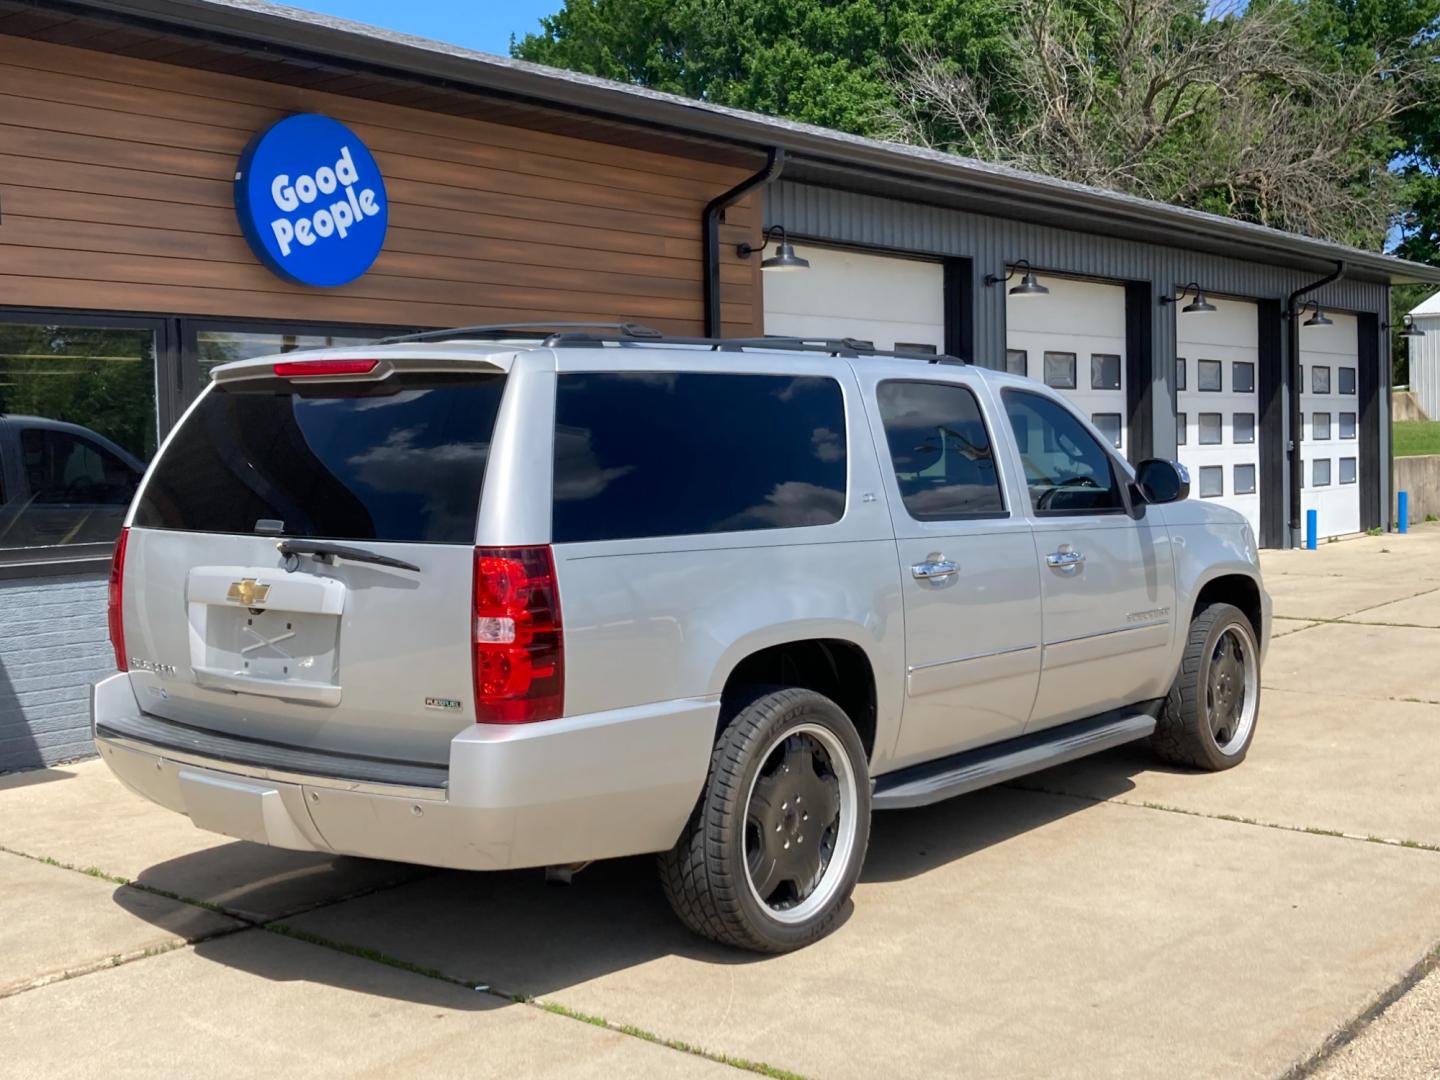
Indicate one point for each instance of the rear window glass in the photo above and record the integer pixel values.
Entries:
(669, 454)
(402, 459)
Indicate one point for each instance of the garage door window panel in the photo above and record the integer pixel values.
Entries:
(1212, 429)
(1244, 479)
(1017, 361)
(1320, 379)
(1347, 470)
(1212, 481)
(1243, 427)
(1347, 380)
(1060, 370)
(1108, 425)
(1242, 377)
(1320, 426)
(1104, 371)
(1347, 425)
(1320, 472)
(1209, 376)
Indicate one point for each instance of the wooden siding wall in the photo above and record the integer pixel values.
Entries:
(116, 174)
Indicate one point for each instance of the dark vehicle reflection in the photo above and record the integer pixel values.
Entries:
(61, 483)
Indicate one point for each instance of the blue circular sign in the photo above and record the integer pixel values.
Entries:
(311, 201)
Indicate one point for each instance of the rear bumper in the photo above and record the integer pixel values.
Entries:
(583, 787)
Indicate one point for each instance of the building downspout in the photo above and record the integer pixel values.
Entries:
(714, 212)
(1292, 363)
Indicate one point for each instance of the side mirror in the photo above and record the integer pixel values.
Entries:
(1162, 481)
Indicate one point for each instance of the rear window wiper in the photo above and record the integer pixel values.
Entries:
(329, 552)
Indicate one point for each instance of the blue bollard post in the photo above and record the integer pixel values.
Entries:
(1312, 526)
(1403, 525)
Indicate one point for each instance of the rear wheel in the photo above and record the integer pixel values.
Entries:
(1209, 717)
(775, 847)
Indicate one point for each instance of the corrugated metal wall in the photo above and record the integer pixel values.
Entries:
(1425, 365)
(846, 217)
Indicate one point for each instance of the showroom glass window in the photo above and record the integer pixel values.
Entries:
(77, 427)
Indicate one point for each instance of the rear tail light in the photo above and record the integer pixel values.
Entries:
(519, 652)
(116, 602)
(312, 369)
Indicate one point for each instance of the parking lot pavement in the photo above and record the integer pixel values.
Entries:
(55, 923)
(1402, 1044)
(1108, 918)
(81, 816)
(258, 1004)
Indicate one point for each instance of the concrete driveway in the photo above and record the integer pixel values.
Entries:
(1109, 918)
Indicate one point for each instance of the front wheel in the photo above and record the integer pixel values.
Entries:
(773, 851)
(1208, 719)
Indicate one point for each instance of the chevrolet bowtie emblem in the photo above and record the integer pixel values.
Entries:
(247, 592)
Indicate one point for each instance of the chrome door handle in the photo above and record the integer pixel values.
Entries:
(934, 571)
(1063, 560)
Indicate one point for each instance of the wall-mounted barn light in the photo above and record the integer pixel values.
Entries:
(1198, 304)
(784, 257)
(1028, 285)
(1408, 327)
(1317, 319)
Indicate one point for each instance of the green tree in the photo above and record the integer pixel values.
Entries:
(818, 61)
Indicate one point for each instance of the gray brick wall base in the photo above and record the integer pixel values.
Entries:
(53, 646)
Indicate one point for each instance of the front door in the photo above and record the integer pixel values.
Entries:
(1107, 577)
(967, 565)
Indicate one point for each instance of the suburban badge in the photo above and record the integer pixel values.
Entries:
(445, 703)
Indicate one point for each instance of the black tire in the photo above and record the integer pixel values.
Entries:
(705, 875)
(1185, 732)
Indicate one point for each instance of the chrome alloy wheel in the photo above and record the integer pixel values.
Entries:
(800, 823)
(1232, 688)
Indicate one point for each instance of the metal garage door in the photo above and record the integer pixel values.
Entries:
(881, 299)
(1073, 339)
(1216, 378)
(1330, 451)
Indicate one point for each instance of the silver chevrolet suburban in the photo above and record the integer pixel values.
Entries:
(492, 598)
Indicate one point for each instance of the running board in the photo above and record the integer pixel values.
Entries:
(933, 781)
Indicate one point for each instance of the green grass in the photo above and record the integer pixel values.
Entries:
(1416, 437)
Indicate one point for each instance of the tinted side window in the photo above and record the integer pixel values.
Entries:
(1066, 469)
(670, 454)
(943, 458)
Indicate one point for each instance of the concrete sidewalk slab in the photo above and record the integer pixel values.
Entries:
(82, 816)
(1402, 1043)
(1356, 661)
(1299, 596)
(55, 922)
(1002, 934)
(1316, 763)
(256, 1004)
(1421, 610)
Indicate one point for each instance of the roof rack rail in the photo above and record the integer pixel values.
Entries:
(848, 347)
(542, 330)
(629, 333)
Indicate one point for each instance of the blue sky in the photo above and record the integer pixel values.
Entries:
(475, 24)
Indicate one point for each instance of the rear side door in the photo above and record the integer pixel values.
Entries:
(967, 563)
(1106, 573)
